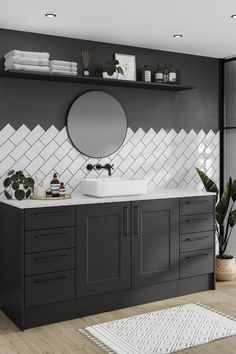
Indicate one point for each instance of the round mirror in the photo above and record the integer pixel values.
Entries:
(96, 124)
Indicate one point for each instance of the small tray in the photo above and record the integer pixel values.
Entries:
(36, 197)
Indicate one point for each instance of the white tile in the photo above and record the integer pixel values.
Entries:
(148, 136)
(137, 136)
(190, 149)
(35, 165)
(21, 164)
(137, 150)
(77, 164)
(129, 134)
(148, 150)
(49, 150)
(126, 150)
(35, 134)
(63, 150)
(5, 149)
(49, 135)
(159, 150)
(148, 164)
(6, 165)
(20, 150)
(126, 163)
(180, 162)
(180, 137)
(169, 150)
(170, 162)
(140, 173)
(20, 134)
(159, 163)
(159, 176)
(5, 133)
(49, 165)
(190, 137)
(151, 186)
(73, 153)
(138, 162)
(65, 177)
(128, 174)
(179, 150)
(35, 150)
(160, 135)
(63, 164)
(75, 180)
(150, 174)
(61, 137)
(170, 137)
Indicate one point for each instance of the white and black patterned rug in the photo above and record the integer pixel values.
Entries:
(166, 331)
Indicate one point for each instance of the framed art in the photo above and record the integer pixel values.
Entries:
(128, 64)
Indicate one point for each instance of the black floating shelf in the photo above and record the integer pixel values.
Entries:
(96, 81)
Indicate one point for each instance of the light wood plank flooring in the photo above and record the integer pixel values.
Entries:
(63, 338)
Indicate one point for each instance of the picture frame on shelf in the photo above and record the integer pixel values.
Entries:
(128, 64)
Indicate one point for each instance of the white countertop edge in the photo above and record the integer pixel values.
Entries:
(81, 199)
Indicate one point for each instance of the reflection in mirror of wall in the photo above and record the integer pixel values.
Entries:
(96, 124)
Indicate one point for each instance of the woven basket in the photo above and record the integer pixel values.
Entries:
(225, 269)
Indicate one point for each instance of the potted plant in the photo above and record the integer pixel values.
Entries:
(17, 185)
(225, 221)
(111, 70)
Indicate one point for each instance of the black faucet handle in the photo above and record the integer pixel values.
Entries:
(108, 165)
(90, 167)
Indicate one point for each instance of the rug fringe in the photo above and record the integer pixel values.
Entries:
(216, 311)
(96, 341)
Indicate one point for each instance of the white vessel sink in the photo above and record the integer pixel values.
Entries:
(109, 187)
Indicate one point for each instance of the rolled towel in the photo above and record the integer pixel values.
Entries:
(64, 63)
(23, 54)
(34, 68)
(63, 72)
(26, 61)
(62, 68)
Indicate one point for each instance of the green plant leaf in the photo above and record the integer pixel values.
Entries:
(20, 173)
(15, 177)
(7, 182)
(120, 70)
(27, 194)
(25, 186)
(233, 190)
(29, 181)
(7, 194)
(10, 172)
(232, 218)
(223, 203)
(208, 183)
(110, 72)
(19, 194)
(116, 62)
(15, 186)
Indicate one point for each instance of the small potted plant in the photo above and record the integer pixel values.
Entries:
(17, 185)
(225, 221)
(110, 71)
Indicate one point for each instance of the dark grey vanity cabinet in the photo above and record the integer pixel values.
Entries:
(155, 241)
(58, 263)
(103, 234)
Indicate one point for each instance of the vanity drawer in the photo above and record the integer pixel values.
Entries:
(196, 263)
(196, 241)
(47, 218)
(196, 223)
(52, 239)
(52, 261)
(196, 205)
(49, 288)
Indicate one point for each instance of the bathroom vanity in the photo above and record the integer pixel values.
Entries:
(64, 259)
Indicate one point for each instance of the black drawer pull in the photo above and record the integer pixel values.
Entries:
(50, 235)
(197, 255)
(196, 219)
(50, 279)
(200, 202)
(126, 221)
(50, 257)
(195, 239)
(50, 214)
(136, 220)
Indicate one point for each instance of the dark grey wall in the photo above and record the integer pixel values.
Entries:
(45, 103)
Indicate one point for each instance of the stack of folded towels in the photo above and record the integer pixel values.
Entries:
(27, 61)
(63, 67)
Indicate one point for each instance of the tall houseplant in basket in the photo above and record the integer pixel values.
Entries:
(225, 220)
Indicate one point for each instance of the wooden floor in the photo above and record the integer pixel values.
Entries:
(64, 337)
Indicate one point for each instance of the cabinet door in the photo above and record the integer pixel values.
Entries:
(155, 241)
(103, 235)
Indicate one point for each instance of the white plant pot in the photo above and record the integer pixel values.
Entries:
(106, 76)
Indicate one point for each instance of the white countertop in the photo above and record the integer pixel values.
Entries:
(80, 199)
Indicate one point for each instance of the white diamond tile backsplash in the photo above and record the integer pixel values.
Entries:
(165, 159)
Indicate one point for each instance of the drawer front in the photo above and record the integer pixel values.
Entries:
(196, 241)
(52, 261)
(47, 218)
(49, 288)
(196, 263)
(196, 205)
(196, 223)
(52, 239)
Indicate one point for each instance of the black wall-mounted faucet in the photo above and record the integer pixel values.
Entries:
(98, 167)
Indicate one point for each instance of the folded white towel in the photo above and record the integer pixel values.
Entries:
(21, 53)
(35, 68)
(26, 61)
(63, 72)
(62, 68)
(64, 63)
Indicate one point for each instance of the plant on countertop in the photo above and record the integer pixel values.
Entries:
(22, 186)
(110, 68)
(225, 212)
